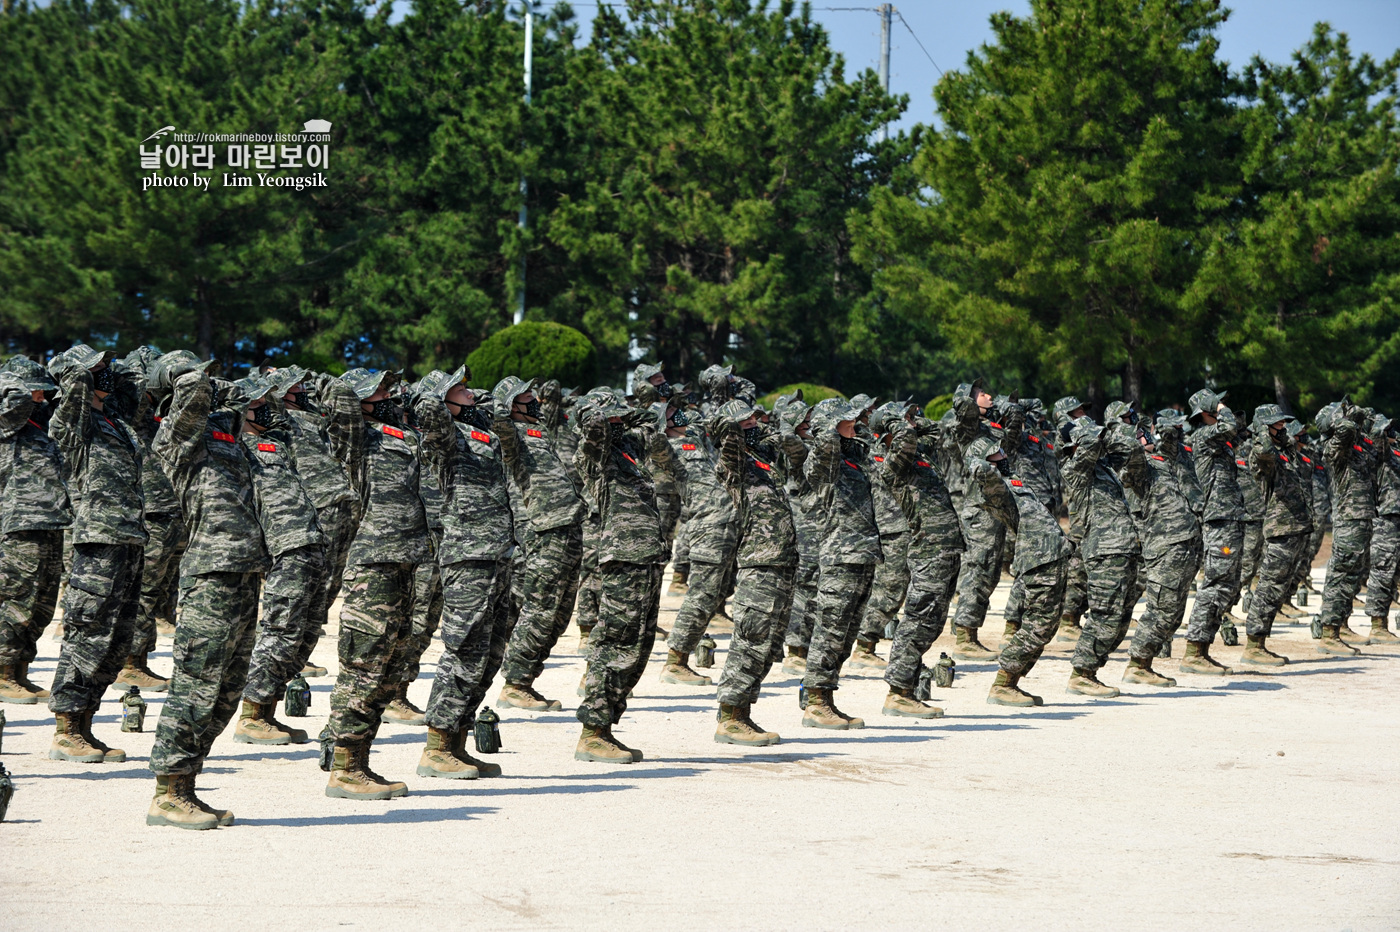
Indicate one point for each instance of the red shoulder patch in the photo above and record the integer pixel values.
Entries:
(157, 418)
(1017, 483)
(533, 432)
(1357, 448)
(878, 459)
(763, 466)
(994, 424)
(629, 457)
(1367, 440)
(1160, 459)
(1186, 448)
(478, 435)
(1241, 463)
(927, 465)
(1033, 438)
(1229, 444)
(391, 431)
(687, 446)
(1050, 446)
(1305, 459)
(852, 465)
(1282, 457)
(267, 448)
(220, 435)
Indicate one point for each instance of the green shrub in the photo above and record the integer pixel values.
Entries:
(938, 406)
(811, 394)
(536, 350)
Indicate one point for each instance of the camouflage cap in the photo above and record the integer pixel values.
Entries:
(1269, 414)
(885, 416)
(793, 413)
(283, 379)
(715, 377)
(969, 389)
(1034, 407)
(247, 390)
(34, 376)
(140, 360)
(737, 410)
(85, 356)
(1325, 418)
(446, 382)
(510, 388)
(644, 372)
(1379, 423)
(983, 448)
(170, 366)
(1084, 431)
(1296, 427)
(366, 383)
(863, 402)
(832, 411)
(1205, 401)
(786, 399)
(1067, 404)
(1116, 411)
(1170, 417)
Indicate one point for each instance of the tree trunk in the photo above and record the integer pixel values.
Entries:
(1281, 393)
(1132, 383)
(204, 337)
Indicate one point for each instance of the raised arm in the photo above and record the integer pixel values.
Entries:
(16, 405)
(181, 432)
(72, 419)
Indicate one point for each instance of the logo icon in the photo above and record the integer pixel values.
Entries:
(170, 129)
(315, 126)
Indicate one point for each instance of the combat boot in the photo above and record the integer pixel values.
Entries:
(1198, 660)
(902, 704)
(1260, 656)
(595, 744)
(519, 696)
(1085, 683)
(821, 713)
(22, 677)
(1235, 620)
(679, 583)
(795, 662)
(439, 761)
(68, 741)
(1009, 631)
(165, 628)
(745, 712)
(636, 754)
(1004, 691)
(968, 647)
(732, 729)
(459, 751)
(136, 673)
(174, 805)
(254, 728)
(1069, 630)
(1330, 644)
(109, 755)
(297, 735)
(677, 670)
(1140, 671)
(1289, 610)
(1351, 636)
(401, 711)
(351, 777)
(865, 658)
(224, 816)
(1381, 634)
(12, 690)
(311, 669)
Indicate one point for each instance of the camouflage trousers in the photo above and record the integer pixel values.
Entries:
(804, 604)
(476, 598)
(1250, 558)
(99, 609)
(981, 568)
(159, 577)
(291, 611)
(339, 523)
(1112, 591)
(427, 615)
(30, 566)
(1167, 583)
(933, 577)
(842, 591)
(586, 604)
(375, 621)
(548, 591)
(888, 591)
(1276, 574)
(762, 604)
(1346, 568)
(680, 553)
(708, 584)
(213, 646)
(1385, 565)
(1076, 600)
(1043, 598)
(1310, 550)
(1223, 542)
(629, 597)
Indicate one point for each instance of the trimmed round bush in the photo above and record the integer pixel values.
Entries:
(811, 394)
(937, 407)
(536, 350)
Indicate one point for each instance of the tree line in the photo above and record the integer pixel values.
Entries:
(1104, 206)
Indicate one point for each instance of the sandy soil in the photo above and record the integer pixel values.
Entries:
(1259, 802)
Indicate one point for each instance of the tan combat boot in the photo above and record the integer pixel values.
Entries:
(1289, 610)
(174, 805)
(1004, 691)
(12, 690)
(1198, 660)
(1085, 683)
(968, 647)
(677, 670)
(312, 669)
(1351, 636)
(902, 704)
(224, 816)
(821, 713)
(1140, 671)
(1334, 645)
(459, 751)
(1380, 632)
(519, 696)
(732, 729)
(795, 663)
(254, 728)
(22, 677)
(401, 711)
(68, 741)
(1069, 630)
(1257, 654)
(109, 755)
(297, 735)
(439, 761)
(136, 673)
(351, 777)
(679, 583)
(745, 712)
(165, 628)
(636, 754)
(595, 744)
(865, 658)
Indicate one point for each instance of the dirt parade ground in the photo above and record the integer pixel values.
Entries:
(1261, 801)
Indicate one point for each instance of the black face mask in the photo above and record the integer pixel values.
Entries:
(41, 414)
(1066, 429)
(385, 410)
(262, 415)
(1003, 466)
(532, 408)
(665, 390)
(851, 448)
(104, 380)
(679, 419)
(301, 399)
(751, 436)
(474, 416)
(616, 432)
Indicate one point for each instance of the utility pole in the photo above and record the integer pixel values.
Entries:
(524, 183)
(885, 10)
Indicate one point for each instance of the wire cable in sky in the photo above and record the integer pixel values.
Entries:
(920, 44)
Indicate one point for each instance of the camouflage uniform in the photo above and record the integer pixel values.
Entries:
(1321, 513)
(983, 534)
(103, 460)
(210, 471)
(850, 545)
(630, 555)
(34, 510)
(1110, 549)
(1036, 466)
(1286, 526)
(549, 513)
(712, 532)
(810, 522)
(891, 576)
(427, 588)
(1352, 462)
(1222, 516)
(1385, 534)
(1253, 522)
(934, 551)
